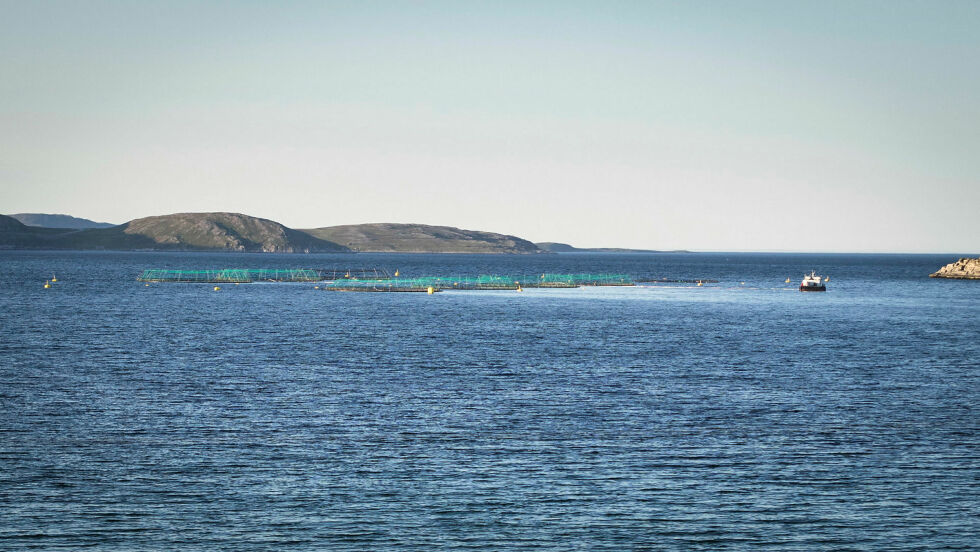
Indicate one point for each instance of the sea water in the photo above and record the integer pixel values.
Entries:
(738, 415)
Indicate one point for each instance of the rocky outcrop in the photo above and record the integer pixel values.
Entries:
(963, 269)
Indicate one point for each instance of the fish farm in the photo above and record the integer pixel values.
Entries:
(484, 282)
(251, 275)
(379, 280)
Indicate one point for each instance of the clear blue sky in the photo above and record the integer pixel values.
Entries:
(809, 126)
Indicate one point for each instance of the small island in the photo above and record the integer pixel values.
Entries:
(963, 269)
(556, 247)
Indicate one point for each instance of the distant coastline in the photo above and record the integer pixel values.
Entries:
(555, 247)
(236, 232)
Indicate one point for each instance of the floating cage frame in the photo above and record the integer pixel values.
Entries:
(250, 275)
(390, 284)
(674, 281)
(483, 282)
(583, 279)
(373, 279)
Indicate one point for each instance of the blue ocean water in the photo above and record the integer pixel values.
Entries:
(741, 415)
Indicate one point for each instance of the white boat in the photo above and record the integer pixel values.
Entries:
(812, 282)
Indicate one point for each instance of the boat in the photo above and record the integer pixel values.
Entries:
(812, 282)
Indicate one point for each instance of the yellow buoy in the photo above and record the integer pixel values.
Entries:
(146, 285)
(519, 288)
(699, 283)
(787, 280)
(46, 284)
(316, 287)
(54, 278)
(217, 288)
(396, 273)
(430, 290)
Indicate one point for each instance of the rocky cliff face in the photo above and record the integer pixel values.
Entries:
(963, 269)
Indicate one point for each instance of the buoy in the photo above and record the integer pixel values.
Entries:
(54, 278)
(430, 291)
(146, 285)
(216, 288)
(699, 283)
(743, 283)
(46, 284)
(787, 280)
(827, 279)
(316, 287)
(519, 288)
(396, 273)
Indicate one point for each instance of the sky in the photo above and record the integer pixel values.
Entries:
(708, 126)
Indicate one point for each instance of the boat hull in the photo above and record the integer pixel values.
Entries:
(813, 288)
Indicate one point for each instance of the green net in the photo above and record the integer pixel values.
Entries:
(248, 275)
(482, 282)
(379, 280)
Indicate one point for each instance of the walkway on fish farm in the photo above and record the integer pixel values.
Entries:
(250, 275)
(669, 281)
(484, 282)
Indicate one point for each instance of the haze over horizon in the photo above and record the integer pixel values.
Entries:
(761, 126)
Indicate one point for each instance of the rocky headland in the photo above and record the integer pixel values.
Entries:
(556, 247)
(963, 269)
(421, 238)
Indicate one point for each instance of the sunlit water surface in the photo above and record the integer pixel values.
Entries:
(741, 415)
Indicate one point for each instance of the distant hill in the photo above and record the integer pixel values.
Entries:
(237, 232)
(16, 235)
(10, 224)
(421, 238)
(556, 247)
(223, 231)
(58, 221)
(183, 231)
